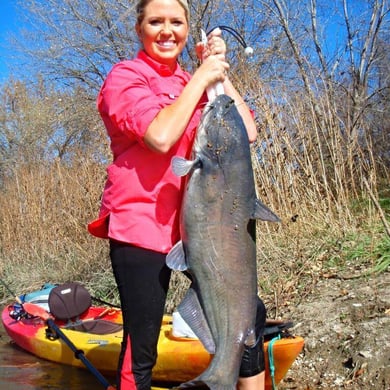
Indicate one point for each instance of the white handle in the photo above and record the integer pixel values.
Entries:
(217, 89)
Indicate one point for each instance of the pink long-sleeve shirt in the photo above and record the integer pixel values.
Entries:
(141, 199)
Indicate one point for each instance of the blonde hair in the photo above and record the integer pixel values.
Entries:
(140, 9)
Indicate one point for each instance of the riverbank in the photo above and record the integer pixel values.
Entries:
(345, 323)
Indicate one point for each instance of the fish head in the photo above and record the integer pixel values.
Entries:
(221, 131)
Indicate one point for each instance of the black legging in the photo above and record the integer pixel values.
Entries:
(253, 362)
(143, 279)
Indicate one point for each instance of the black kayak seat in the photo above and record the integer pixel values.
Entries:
(68, 301)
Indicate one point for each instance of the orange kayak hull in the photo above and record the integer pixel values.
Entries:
(179, 359)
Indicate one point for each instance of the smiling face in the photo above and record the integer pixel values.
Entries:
(163, 30)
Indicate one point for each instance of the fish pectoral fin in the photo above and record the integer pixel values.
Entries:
(263, 213)
(181, 166)
(251, 340)
(191, 311)
(176, 258)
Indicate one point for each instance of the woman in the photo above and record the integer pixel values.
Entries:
(151, 109)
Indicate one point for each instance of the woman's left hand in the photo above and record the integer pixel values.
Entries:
(215, 46)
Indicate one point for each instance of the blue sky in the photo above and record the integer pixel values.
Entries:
(11, 24)
(8, 24)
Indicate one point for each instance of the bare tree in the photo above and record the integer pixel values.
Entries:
(77, 41)
(39, 124)
(319, 73)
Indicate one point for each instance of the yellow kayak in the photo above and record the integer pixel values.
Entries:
(179, 358)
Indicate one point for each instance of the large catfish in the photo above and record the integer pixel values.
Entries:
(217, 248)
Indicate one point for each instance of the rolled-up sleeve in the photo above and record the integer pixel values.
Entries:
(126, 101)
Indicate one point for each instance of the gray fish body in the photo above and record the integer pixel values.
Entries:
(219, 252)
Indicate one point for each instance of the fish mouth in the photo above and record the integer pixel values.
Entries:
(217, 109)
(222, 103)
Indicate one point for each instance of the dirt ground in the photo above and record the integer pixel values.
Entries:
(345, 322)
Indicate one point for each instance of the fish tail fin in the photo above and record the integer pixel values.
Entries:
(194, 384)
(199, 383)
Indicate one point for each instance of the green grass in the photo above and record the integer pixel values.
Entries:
(383, 256)
(365, 251)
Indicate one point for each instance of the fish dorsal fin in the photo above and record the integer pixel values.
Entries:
(191, 311)
(176, 258)
(263, 213)
(182, 166)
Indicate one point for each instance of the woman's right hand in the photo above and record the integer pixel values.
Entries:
(212, 70)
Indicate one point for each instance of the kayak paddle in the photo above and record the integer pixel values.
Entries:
(38, 311)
